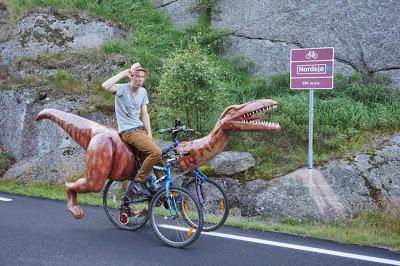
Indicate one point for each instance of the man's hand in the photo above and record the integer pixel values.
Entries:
(129, 73)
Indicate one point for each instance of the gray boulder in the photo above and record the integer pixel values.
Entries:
(365, 34)
(180, 12)
(231, 162)
(45, 31)
(53, 167)
(383, 175)
(235, 192)
(302, 194)
(335, 191)
(22, 136)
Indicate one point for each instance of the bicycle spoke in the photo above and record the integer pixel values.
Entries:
(214, 202)
(128, 212)
(171, 225)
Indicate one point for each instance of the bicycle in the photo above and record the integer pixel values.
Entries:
(211, 195)
(175, 215)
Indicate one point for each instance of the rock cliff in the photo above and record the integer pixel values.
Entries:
(365, 34)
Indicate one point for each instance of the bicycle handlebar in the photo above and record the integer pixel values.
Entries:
(175, 130)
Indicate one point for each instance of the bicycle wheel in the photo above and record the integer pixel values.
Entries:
(213, 199)
(125, 212)
(167, 212)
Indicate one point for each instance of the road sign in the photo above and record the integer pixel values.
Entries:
(311, 68)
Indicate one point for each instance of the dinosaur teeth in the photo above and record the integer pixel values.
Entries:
(259, 122)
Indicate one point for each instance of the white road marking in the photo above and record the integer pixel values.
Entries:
(292, 246)
(5, 199)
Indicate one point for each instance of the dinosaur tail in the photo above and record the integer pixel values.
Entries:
(79, 128)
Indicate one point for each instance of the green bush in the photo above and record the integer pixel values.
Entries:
(188, 86)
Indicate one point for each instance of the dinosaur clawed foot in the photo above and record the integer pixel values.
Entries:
(72, 202)
(76, 211)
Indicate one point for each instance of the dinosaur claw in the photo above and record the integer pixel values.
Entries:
(76, 211)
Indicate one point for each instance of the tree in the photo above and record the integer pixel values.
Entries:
(188, 86)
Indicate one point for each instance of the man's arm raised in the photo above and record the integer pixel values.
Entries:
(109, 84)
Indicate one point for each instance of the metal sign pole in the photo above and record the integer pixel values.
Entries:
(311, 68)
(310, 129)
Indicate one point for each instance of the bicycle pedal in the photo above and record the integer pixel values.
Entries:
(123, 218)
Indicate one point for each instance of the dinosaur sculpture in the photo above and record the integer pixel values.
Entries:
(107, 155)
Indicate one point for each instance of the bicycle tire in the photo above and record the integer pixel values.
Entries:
(215, 203)
(113, 194)
(165, 217)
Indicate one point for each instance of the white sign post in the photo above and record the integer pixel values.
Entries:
(310, 69)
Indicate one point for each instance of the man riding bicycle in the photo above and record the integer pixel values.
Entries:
(130, 104)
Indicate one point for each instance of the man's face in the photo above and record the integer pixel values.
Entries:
(137, 77)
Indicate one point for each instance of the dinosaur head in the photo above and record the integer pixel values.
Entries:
(243, 117)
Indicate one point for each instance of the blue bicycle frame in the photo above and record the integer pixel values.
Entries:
(200, 177)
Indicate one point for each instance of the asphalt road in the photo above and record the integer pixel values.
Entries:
(36, 232)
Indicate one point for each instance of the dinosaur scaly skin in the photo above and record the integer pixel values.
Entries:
(107, 155)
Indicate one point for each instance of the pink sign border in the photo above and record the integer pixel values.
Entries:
(316, 61)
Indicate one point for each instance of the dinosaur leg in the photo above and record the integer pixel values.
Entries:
(98, 167)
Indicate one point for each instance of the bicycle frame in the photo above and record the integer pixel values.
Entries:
(167, 184)
(199, 175)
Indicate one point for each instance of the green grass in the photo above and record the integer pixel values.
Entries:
(374, 228)
(45, 190)
(44, 58)
(67, 81)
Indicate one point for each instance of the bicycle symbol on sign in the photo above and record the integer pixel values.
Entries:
(311, 55)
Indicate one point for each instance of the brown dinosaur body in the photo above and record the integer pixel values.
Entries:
(107, 155)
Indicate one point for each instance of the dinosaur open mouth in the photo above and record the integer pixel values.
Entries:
(252, 118)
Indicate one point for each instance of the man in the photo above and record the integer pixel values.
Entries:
(130, 103)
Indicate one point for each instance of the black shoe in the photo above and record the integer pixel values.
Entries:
(139, 188)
